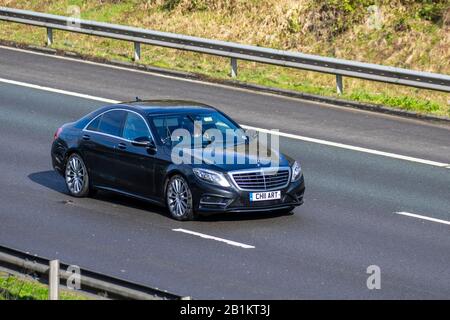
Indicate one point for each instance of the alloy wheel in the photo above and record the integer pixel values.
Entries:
(76, 175)
(179, 198)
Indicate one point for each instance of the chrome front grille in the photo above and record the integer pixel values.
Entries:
(261, 179)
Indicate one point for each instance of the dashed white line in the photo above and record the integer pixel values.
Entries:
(282, 134)
(418, 216)
(205, 236)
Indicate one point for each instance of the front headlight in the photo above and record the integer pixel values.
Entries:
(296, 171)
(211, 176)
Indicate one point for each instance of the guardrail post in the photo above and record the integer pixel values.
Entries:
(49, 36)
(53, 280)
(339, 84)
(137, 51)
(234, 68)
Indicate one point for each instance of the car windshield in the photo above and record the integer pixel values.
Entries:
(200, 129)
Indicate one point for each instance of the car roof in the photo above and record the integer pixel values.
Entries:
(166, 106)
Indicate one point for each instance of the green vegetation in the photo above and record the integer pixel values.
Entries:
(413, 34)
(14, 288)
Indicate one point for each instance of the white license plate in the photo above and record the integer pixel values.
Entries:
(262, 196)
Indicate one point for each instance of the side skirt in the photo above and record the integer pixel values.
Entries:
(132, 195)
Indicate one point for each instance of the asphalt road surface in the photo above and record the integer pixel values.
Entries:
(349, 220)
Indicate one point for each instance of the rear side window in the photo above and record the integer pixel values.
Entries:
(93, 126)
(109, 123)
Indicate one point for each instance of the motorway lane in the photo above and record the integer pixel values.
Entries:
(346, 224)
(360, 128)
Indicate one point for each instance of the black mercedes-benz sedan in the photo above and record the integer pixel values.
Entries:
(186, 156)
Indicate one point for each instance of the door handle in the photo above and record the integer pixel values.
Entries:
(122, 146)
(86, 137)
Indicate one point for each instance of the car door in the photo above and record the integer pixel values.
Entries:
(136, 161)
(98, 145)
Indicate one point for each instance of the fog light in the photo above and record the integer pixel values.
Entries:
(214, 201)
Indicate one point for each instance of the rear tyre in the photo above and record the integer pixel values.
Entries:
(179, 199)
(76, 176)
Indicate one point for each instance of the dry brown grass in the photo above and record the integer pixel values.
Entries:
(310, 26)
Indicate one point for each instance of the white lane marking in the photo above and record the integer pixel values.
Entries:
(225, 86)
(205, 236)
(282, 134)
(68, 93)
(350, 147)
(178, 78)
(418, 216)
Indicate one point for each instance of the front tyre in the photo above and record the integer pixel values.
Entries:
(179, 199)
(76, 176)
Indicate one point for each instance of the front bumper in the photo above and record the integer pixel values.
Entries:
(210, 199)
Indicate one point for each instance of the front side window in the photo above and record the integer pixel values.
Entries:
(165, 125)
(109, 123)
(135, 127)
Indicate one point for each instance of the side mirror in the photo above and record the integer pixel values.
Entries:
(145, 142)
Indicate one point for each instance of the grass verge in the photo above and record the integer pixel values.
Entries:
(15, 288)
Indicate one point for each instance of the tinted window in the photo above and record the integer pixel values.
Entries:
(198, 123)
(93, 126)
(134, 127)
(84, 121)
(166, 125)
(111, 122)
